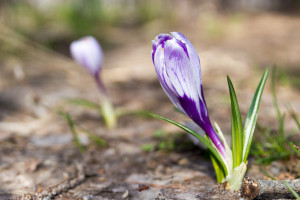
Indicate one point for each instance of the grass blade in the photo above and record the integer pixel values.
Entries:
(295, 147)
(98, 140)
(294, 115)
(236, 127)
(291, 190)
(211, 148)
(72, 128)
(84, 103)
(252, 116)
(282, 137)
(280, 117)
(274, 97)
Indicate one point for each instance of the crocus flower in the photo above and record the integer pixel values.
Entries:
(177, 66)
(88, 52)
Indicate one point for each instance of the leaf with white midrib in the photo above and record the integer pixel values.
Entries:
(250, 123)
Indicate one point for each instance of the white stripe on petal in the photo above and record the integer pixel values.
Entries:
(178, 70)
(184, 76)
(194, 59)
(160, 68)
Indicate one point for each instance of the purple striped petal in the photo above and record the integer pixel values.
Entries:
(163, 77)
(177, 66)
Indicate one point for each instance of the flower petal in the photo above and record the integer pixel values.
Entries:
(164, 80)
(87, 51)
(194, 59)
(178, 69)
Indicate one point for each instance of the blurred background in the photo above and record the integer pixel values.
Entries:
(239, 38)
(55, 23)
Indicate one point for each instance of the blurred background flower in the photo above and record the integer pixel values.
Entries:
(88, 53)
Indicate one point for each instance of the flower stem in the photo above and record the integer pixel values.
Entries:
(100, 85)
(108, 113)
(106, 108)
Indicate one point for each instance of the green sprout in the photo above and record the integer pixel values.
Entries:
(268, 149)
(74, 129)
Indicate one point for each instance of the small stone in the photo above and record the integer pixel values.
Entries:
(149, 194)
(125, 195)
(87, 197)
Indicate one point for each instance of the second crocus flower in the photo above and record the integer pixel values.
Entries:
(88, 53)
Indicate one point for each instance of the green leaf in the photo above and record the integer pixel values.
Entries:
(266, 160)
(280, 117)
(84, 103)
(142, 113)
(162, 145)
(295, 147)
(160, 133)
(282, 137)
(98, 140)
(236, 127)
(251, 119)
(211, 148)
(218, 170)
(72, 128)
(274, 97)
(294, 115)
(223, 140)
(291, 190)
(148, 147)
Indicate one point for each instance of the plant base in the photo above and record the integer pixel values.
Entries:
(235, 178)
(108, 113)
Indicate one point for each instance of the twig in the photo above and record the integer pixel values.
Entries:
(64, 185)
(58, 188)
(173, 186)
(268, 189)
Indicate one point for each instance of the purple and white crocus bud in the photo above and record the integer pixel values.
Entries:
(177, 66)
(88, 53)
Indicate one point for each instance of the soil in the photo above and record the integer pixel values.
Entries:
(36, 146)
